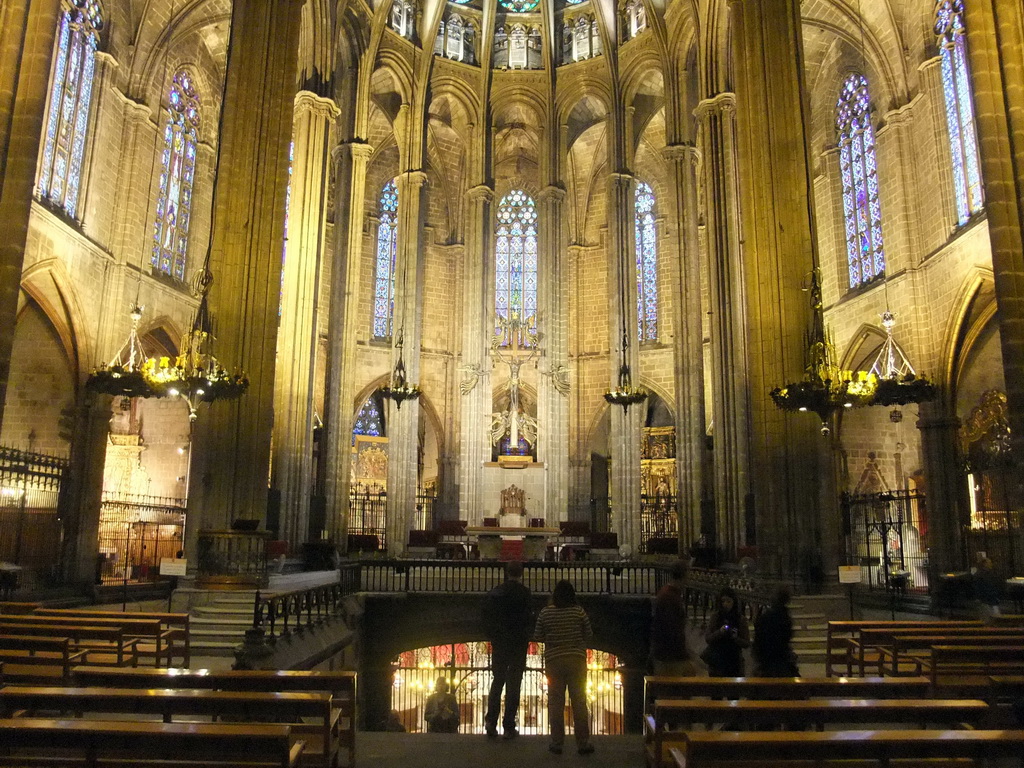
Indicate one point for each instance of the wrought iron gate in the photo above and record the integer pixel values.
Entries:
(885, 535)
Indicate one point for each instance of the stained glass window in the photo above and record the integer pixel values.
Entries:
(949, 26)
(67, 121)
(519, 6)
(387, 250)
(515, 262)
(861, 208)
(646, 264)
(174, 203)
(370, 419)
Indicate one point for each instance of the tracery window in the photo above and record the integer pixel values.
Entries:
(515, 278)
(455, 39)
(517, 47)
(646, 264)
(403, 18)
(956, 87)
(861, 208)
(174, 203)
(370, 419)
(519, 6)
(387, 251)
(67, 120)
(636, 18)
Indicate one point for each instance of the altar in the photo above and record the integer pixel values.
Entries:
(489, 538)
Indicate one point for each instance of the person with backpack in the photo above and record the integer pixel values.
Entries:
(508, 620)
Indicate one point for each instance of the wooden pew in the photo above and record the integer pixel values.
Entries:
(913, 650)
(704, 747)
(746, 714)
(102, 645)
(37, 659)
(8, 607)
(971, 664)
(85, 742)
(340, 684)
(132, 629)
(838, 649)
(322, 736)
(175, 642)
(665, 687)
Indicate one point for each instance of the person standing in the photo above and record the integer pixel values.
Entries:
(442, 710)
(564, 629)
(987, 590)
(508, 619)
(773, 636)
(727, 636)
(668, 627)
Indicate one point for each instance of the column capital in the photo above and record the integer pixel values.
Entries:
(481, 192)
(551, 192)
(722, 103)
(682, 152)
(619, 178)
(307, 101)
(355, 147)
(418, 178)
(105, 59)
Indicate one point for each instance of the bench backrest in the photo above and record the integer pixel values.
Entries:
(131, 626)
(338, 682)
(781, 687)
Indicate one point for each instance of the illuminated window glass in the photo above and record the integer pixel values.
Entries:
(174, 203)
(387, 250)
(515, 280)
(963, 142)
(60, 169)
(519, 6)
(370, 419)
(861, 208)
(646, 264)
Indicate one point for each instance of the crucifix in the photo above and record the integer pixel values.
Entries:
(515, 343)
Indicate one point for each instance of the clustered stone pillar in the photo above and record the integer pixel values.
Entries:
(26, 49)
(787, 464)
(552, 405)
(350, 160)
(689, 359)
(403, 423)
(717, 118)
(995, 41)
(625, 425)
(476, 361)
(231, 453)
(946, 490)
(297, 337)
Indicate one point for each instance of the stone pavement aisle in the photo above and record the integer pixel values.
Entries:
(443, 750)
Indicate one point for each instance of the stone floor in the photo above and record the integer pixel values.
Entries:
(425, 750)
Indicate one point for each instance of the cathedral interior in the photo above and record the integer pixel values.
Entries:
(419, 251)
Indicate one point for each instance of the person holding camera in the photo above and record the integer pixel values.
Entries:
(728, 634)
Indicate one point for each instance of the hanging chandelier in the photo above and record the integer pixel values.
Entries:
(124, 376)
(897, 381)
(625, 393)
(398, 389)
(825, 388)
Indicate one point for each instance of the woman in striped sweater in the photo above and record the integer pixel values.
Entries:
(564, 629)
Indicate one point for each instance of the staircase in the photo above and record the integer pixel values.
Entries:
(809, 633)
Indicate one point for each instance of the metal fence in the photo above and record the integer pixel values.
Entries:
(368, 516)
(885, 534)
(135, 532)
(466, 666)
(659, 524)
(30, 530)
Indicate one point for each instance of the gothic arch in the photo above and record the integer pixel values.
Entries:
(48, 284)
(974, 302)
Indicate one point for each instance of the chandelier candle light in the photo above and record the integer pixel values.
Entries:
(625, 394)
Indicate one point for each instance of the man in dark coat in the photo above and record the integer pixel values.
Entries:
(508, 623)
(668, 627)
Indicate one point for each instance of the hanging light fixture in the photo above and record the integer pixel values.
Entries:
(124, 376)
(898, 382)
(398, 389)
(625, 393)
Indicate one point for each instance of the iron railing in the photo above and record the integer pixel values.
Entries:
(232, 559)
(30, 530)
(367, 518)
(659, 524)
(886, 539)
(135, 533)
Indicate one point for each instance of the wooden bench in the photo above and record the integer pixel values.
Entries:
(141, 630)
(704, 747)
(970, 664)
(89, 743)
(322, 736)
(340, 684)
(102, 645)
(746, 714)
(913, 650)
(838, 649)
(14, 608)
(174, 635)
(37, 659)
(665, 687)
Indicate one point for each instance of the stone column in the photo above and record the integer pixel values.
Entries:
(689, 358)
(350, 161)
(787, 463)
(625, 425)
(995, 42)
(948, 506)
(231, 454)
(552, 405)
(403, 423)
(717, 118)
(475, 368)
(296, 336)
(26, 50)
